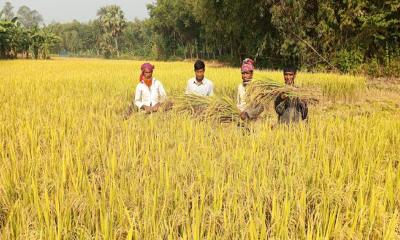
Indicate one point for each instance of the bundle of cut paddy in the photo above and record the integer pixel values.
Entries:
(221, 109)
(266, 91)
(190, 103)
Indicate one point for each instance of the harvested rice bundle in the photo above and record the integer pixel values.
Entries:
(190, 103)
(221, 109)
(265, 92)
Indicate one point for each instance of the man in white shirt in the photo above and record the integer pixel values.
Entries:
(199, 84)
(150, 92)
(247, 112)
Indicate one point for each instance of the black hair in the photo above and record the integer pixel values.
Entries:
(290, 69)
(199, 65)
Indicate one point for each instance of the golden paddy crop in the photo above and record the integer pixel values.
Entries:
(72, 168)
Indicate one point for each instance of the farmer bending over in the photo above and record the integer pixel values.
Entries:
(247, 112)
(290, 109)
(150, 92)
(200, 85)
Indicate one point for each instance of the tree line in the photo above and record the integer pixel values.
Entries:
(21, 34)
(310, 34)
(313, 35)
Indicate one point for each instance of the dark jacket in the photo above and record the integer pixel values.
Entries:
(290, 109)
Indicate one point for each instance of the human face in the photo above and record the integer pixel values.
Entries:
(247, 77)
(199, 74)
(148, 74)
(289, 77)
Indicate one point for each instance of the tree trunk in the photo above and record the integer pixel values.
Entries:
(116, 46)
(191, 52)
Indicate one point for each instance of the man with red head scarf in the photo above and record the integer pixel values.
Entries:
(150, 92)
(247, 112)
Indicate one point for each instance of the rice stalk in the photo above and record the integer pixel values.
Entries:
(266, 91)
(220, 109)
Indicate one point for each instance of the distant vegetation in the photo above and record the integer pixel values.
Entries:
(346, 36)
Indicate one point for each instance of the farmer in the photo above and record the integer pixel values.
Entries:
(290, 109)
(247, 112)
(200, 85)
(150, 92)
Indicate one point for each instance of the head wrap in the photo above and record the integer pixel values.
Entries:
(247, 65)
(148, 67)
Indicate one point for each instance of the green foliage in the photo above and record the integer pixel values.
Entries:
(112, 22)
(277, 33)
(15, 39)
(42, 41)
(22, 35)
(77, 38)
(7, 12)
(29, 18)
(8, 38)
(348, 60)
(313, 35)
(375, 69)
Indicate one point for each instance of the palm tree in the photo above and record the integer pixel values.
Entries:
(113, 22)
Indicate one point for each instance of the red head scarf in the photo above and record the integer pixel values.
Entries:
(148, 67)
(247, 65)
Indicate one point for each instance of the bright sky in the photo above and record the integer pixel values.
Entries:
(81, 10)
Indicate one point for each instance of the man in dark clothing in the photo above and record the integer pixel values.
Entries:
(290, 109)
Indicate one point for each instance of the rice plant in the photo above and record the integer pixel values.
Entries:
(266, 91)
(72, 168)
(221, 109)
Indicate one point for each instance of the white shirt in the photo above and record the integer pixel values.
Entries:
(241, 97)
(149, 96)
(203, 88)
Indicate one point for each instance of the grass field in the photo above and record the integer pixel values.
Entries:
(72, 168)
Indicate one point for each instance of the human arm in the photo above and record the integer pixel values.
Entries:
(239, 100)
(138, 97)
(139, 100)
(302, 107)
(280, 104)
(254, 111)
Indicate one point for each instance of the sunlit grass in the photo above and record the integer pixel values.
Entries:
(72, 168)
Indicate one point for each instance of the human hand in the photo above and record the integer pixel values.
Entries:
(244, 115)
(155, 107)
(147, 109)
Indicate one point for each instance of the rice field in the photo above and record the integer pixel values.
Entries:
(72, 168)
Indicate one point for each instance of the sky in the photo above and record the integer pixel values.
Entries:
(81, 10)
